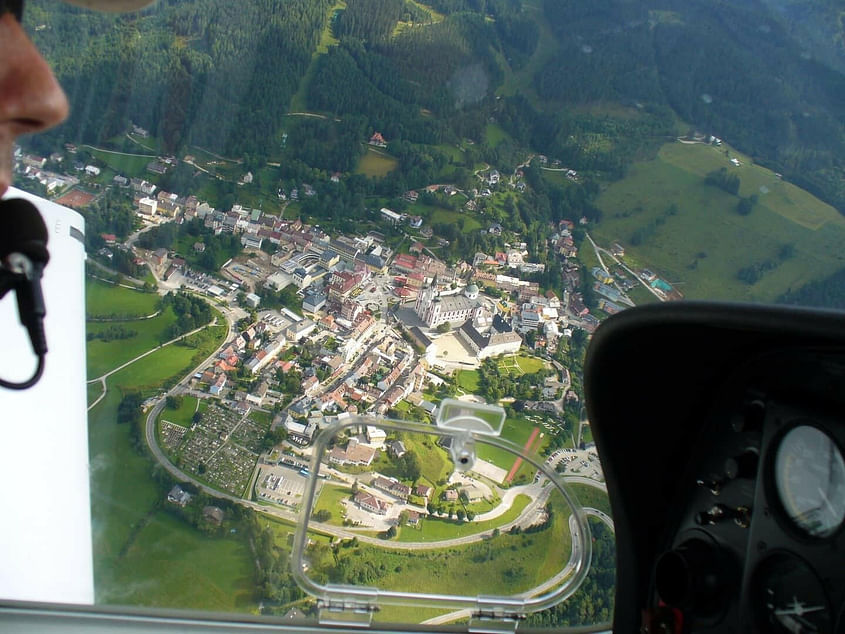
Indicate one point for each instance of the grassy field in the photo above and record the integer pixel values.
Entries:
(590, 497)
(467, 380)
(494, 134)
(330, 500)
(376, 163)
(174, 360)
(101, 298)
(519, 365)
(183, 415)
(517, 430)
(124, 498)
(107, 355)
(502, 565)
(128, 165)
(465, 222)
(703, 246)
(436, 529)
(172, 565)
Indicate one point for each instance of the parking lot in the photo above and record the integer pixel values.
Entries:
(280, 485)
(582, 462)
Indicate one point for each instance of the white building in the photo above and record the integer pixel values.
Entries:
(390, 215)
(435, 310)
(148, 206)
(499, 339)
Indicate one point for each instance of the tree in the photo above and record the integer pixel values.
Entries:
(403, 518)
(174, 402)
(323, 515)
(444, 327)
(355, 487)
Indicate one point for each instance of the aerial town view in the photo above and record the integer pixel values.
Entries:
(309, 223)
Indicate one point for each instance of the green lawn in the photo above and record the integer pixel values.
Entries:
(93, 391)
(122, 491)
(465, 222)
(330, 500)
(434, 529)
(107, 300)
(183, 415)
(107, 355)
(376, 163)
(702, 247)
(590, 497)
(467, 380)
(263, 418)
(121, 163)
(516, 429)
(172, 565)
(503, 565)
(530, 365)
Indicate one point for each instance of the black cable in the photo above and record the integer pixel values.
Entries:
(26, 384)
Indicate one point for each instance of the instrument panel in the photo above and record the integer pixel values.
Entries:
(759, 542)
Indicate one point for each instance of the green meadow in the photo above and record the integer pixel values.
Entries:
(376, 163)
(102, 300)
(703, 245)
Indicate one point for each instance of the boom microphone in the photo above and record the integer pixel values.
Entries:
(23, 254)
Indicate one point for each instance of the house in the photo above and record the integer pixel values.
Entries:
(355, 454)
(370, 502)
(423, 490)
(450, 495)
(396, 448)
(392, 486)
(178, 496)
(213, 515)
(375, 436)
(218, 385)
(92, 170)
(378, 140)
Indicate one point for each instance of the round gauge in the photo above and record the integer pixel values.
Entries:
(810, 480)
(788, 597)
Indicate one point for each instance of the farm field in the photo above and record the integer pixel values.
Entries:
(704, 244)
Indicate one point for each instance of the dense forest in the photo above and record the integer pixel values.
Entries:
(204, 72)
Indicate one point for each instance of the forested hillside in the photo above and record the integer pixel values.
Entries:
(221, 75)
(733, 70)
(212, 73)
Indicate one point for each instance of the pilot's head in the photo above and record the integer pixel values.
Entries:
(30, 98)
